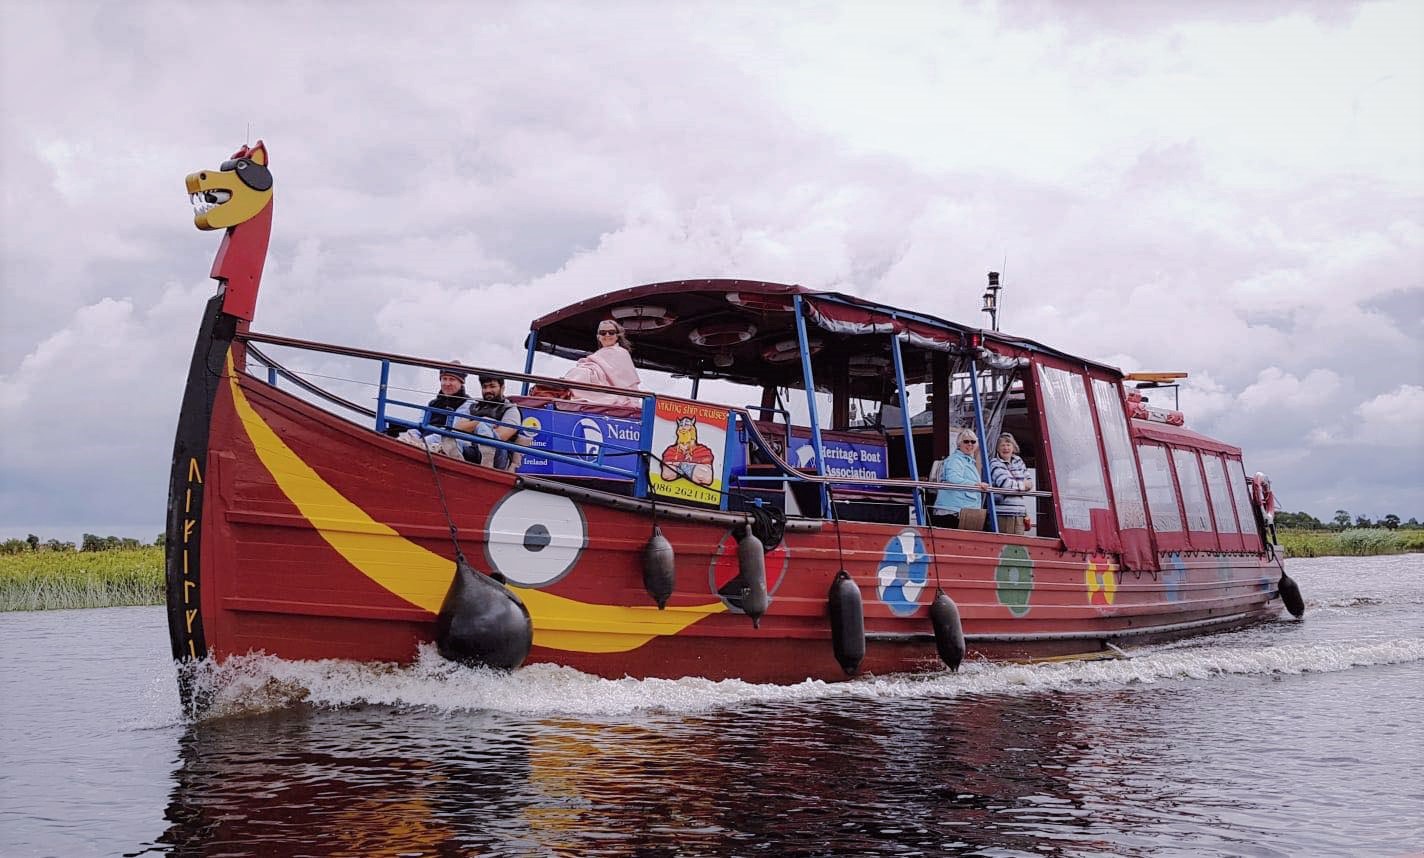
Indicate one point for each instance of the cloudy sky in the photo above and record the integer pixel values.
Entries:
(1233, 189)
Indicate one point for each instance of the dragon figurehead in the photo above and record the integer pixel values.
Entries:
(237, 197)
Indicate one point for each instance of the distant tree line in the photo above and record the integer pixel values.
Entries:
(1342, 521)
(89, 542)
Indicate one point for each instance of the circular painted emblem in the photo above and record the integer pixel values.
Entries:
(588, 438)
(904, 572)
(726, 576)
(1013, 578)
(534, 538)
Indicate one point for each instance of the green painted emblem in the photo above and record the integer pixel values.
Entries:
(1015, 579)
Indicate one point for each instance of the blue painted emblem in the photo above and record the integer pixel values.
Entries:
(904, 572)
(1174, 579)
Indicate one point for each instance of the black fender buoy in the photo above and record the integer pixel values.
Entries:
(847, 623)
(658, 573)
(482, 623)
(751, 561)
(1290, 595)
(948, 630)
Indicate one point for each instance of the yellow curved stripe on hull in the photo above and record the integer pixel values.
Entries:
(421, 576)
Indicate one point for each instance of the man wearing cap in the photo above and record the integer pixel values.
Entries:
(452, 397)
(494, 417)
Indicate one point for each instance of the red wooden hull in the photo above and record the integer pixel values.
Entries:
(318, 538)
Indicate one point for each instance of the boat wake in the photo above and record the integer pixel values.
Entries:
(259, 683)
(1355, 602)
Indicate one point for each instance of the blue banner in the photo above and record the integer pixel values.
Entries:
(592, 437)
(863, 460)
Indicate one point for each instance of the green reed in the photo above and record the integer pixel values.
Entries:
(46, 580)
(1359, 542)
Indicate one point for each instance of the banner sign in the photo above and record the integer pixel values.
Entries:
(583, 436)
(864, 460)
(690, 449)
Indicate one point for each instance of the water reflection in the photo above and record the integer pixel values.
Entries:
(817, 778)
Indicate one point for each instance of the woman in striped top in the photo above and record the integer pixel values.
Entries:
(1008, 471)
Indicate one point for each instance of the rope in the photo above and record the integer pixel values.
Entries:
(440, 490)
(769, 525)
(934, 559)
(652, 496)
(835, 519)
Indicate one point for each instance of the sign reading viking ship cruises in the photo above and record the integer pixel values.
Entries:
(689, 443)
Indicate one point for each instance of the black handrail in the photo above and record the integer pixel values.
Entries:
(307, 385)
(372, 354)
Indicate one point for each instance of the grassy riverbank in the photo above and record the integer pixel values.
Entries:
(1360, 542)
(46, 580)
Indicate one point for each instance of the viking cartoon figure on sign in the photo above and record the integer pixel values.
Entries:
(687, 457)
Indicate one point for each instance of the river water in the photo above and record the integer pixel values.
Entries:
(1285, 739)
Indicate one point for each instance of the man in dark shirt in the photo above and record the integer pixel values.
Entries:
(495, 417)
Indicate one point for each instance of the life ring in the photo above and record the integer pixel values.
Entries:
(1263, 497)
(643, 317)
(719, 334)
(787, 350)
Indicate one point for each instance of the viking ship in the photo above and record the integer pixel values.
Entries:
(803, 545)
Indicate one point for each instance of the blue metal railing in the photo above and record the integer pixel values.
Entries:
(595, 463)
(598, 463)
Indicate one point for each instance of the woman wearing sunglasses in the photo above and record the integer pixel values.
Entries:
(959, 467)
(610, 366)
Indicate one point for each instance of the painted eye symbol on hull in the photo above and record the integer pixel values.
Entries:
(533, 538)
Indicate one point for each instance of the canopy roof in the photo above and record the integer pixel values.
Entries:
(745, 331)
(1168, 434)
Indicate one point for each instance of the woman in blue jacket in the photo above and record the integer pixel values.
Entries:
(959, 467)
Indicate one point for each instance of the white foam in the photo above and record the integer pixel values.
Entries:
(259, 683)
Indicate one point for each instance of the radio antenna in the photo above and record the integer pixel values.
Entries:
(1003, 271)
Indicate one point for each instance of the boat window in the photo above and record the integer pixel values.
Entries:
(1122, 467)
(1161, 490)
(1193, 492)
(1237, 473)
(1220, 495)
(1077, 462)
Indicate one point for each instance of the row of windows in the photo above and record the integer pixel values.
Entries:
(1186, 490)
(1222, 497)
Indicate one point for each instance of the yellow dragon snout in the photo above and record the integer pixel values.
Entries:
(233, 193)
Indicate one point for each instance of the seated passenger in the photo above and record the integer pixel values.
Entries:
(610, 366)
(960, 468)
(452, 397)
(492, 406)
(1008, 471)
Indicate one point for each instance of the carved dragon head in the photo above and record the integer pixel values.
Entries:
(235, 192)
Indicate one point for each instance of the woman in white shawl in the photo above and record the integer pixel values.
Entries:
(610, 366)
